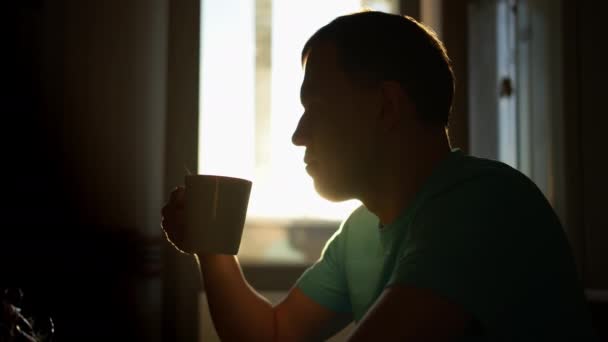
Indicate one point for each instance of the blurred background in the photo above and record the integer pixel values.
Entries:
(105, 102)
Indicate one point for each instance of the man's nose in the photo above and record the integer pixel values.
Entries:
(300, 135)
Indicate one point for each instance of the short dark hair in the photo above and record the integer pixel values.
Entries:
(389, 47)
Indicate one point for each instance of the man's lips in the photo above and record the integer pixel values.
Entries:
(309, 160)
(310, 165)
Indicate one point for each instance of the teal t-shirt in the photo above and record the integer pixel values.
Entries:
(479, 234)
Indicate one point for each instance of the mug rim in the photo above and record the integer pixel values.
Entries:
(220, 176)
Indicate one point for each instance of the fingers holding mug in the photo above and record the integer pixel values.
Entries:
(173, 218)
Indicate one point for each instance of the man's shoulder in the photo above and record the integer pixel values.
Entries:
(479, 178)
(484, 191)
(475, 168)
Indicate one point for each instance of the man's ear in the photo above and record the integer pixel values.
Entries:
(396, 104)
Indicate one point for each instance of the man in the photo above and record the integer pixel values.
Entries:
(445, 247)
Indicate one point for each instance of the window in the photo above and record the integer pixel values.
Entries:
(249, 107)
(515, 89)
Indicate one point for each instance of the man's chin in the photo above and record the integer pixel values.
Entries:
(331, 193)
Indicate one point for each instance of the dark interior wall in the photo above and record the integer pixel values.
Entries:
(83, 103)
(181, 281)
(585, 146)
(585, 149)
(114, 66)
(593, 123)
(590, 122)
(454, 36)
(410, 7)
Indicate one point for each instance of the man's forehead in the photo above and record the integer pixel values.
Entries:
(314, 87)
(321, 69)
(322, 55)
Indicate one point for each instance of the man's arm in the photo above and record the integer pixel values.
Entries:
(300, 318)
(239, 313)
(404, 313)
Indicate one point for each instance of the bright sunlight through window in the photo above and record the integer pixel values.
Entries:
(250, 76)
(228, 129)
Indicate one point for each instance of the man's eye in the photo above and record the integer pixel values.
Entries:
(311, 110)
(313, 107)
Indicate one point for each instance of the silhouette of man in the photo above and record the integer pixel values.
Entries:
(446, 246)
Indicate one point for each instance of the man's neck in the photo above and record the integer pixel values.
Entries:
(401, 177)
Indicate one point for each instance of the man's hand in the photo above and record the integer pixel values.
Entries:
(173, 222)
(239, 313)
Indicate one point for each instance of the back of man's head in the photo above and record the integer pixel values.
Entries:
(375, 46)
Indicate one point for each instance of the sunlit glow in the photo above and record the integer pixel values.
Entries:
(226, 127)
(281, 186)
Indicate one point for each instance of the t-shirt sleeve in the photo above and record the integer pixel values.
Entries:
(462, 247)
(325, 281)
